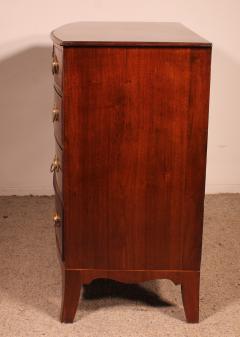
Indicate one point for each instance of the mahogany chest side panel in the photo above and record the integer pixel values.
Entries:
(135, 133)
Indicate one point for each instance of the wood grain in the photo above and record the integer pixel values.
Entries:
(59, 172)
(58, 124)
(133, 153)
(130, 158)
(60, 224)
(70, 297)
(58, 77)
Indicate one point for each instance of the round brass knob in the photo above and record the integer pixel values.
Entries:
(55, 113)
(55, 65)
(57, 219)
(55, 166)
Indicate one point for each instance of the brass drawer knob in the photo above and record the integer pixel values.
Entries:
(55, 65)
(55, 165)
(56, 219)
(55, 112)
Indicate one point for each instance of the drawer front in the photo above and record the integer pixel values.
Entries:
(56, 169)
(58, 221)
(57, 118)
(58, 153)
(57, 67)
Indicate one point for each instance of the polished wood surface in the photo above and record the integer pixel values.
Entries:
(190, 284)
(127, 34)
(133, 162)
(129, 157)
(59, 225)
(70, 298)
(58, 57)
(59, 173)
(58, 121)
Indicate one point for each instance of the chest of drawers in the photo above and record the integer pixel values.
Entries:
(130, 121)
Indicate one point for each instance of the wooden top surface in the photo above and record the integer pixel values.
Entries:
(127, 34)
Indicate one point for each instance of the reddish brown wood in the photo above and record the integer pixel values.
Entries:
(196, 151)
(58, 75)
(121, 34)
(58, 121)
(71, 293)
(130, 157)
(135, 135)
(59, 172)
(190, 284)
(131, 276)
(59, 224)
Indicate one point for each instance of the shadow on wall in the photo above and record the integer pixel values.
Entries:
(26, 138)
(223, 164)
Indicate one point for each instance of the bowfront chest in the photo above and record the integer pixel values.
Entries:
(130, 120)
